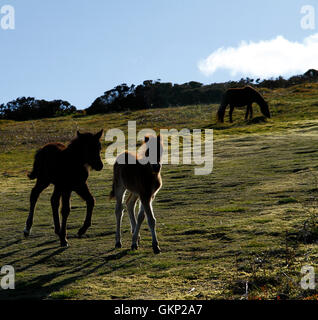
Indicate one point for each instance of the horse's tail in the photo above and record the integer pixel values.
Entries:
(221, 112)
(36, 165)
(32, 175)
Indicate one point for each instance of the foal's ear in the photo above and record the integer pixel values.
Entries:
(78, 133)
(99, 134)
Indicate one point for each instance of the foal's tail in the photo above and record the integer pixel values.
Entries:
(34, 173)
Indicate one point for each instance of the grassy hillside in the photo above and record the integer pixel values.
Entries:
(251, 224)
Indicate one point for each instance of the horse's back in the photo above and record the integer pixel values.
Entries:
(53, 147)
(46, 160)
(239, 96)
(127, 167)
(136, 177)
(50, 151)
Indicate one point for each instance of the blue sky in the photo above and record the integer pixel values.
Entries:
(76, 49)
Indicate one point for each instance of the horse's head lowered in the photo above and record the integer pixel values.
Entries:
(154, 152)
(90, 149)
(265, 109)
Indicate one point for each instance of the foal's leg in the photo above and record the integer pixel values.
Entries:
(231, 112)
(66, 208)
(136, 236)
(119, 193)
(131, 204)
(38, 188)
(85, 194)
(55, 203)
(152, 225)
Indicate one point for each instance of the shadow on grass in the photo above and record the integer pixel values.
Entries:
(256, 120)
(235, 124)
(42, 286)
(217, 126)
(12, 243)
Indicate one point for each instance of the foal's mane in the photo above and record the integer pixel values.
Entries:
(258, 97)
(261, 102)
(145, 145)
(78, 140)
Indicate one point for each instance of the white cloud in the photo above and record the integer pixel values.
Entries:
(264, 59)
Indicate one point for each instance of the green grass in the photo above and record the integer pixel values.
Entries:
(65, 294)
(231, 209)
(242, 223)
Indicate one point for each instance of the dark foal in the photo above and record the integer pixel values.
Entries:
(67, 168)
(140, 176)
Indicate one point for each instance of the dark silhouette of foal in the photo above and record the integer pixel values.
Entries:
(67, 167)
(240, 97)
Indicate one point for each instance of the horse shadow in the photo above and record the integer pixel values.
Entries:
(256, 120)
(42, 286)
(221, 126)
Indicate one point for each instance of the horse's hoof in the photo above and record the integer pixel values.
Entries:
(64, 244)
(156, 250)
(118, 245)
(134, 246)
(81, 232)
(26, 233)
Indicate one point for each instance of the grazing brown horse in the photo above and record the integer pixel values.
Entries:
(68, 169)
(141, 177)
(240, 97)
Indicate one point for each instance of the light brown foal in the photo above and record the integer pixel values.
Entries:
(140, 176)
